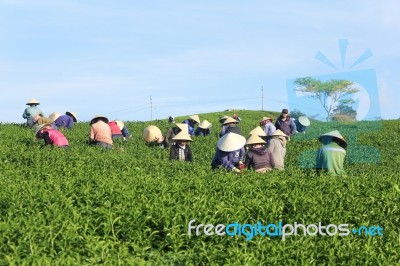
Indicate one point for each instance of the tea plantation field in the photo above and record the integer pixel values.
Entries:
(132, 206)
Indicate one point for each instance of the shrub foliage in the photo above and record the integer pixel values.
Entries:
(88, 206)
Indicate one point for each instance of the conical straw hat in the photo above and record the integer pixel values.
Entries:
(279, 132)
(152, 133)
(254, 139)
(41, 127)
(183, 135)
(120, 124)
(258, 131)
(32, 101)
(53, 116)
(304, 121)
(231, 142)
(222, 119)
(195, 118)
(229, 120)
(205, 124)
(183, 127)
(265, 118)
(73, 114)
(334, 134)
(105, 119)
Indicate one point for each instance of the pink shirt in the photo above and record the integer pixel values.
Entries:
(57, 138)
(101, 131)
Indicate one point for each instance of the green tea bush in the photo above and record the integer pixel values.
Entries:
(130, 206)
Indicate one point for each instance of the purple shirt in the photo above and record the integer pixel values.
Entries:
(287, 126)
(64, 121)
(269, 128)
(223, 129)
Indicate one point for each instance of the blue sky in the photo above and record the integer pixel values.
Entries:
(110, 57)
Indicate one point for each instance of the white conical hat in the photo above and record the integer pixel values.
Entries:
(334, 134)
(74, 117)
(120, 124)
(304, 121)
(195, 118)
(254, 139)
(105, 119)
(279, 132)
(54, 115)
(231, 142)
(183, 135)
(266, 118)
(205, 124)
(183, 127)
(258, 131)
(229, 120)
(152, 133)
(33, 101)
(222, 119)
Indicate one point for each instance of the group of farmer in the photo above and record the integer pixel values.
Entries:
(263, 150)
(102, 131)
(177, 137)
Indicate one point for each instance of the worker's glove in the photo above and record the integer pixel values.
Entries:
(236, 170)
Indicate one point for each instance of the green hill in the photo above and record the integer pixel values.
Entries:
(129, 206)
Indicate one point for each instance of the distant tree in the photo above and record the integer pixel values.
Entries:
(343, 118)
(345, 109)
(297, 113)
(329, 93)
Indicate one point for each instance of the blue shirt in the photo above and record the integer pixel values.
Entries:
(223, 129)
(300, 127)
(227, 159)
(190, 127)
(202, 132)
(64, 121)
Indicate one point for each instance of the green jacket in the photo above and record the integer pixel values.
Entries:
(331, 158)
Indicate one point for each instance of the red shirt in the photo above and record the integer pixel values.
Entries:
(114, 128)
